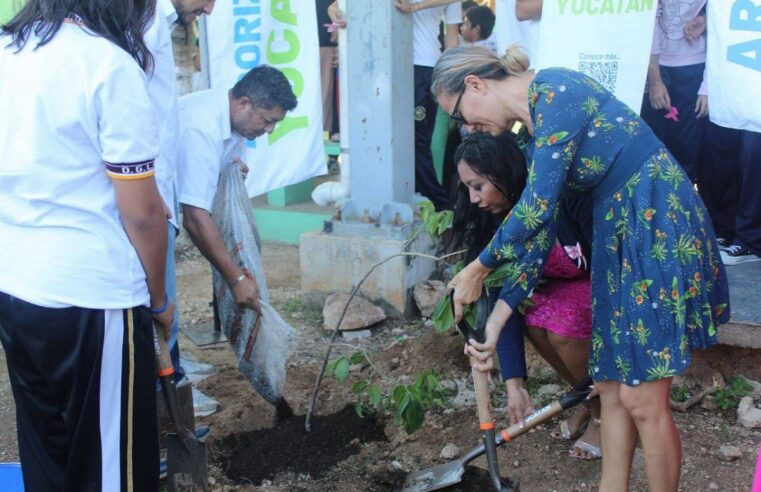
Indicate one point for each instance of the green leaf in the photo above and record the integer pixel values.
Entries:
(373, 392)
(330, 368)
(358, 409)
(413, 416)
(359, 386)
(445, 319)
(398, 394)
(403, 405)
(342, 369)
(357, 358)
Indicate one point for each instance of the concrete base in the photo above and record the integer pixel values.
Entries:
(337, 261)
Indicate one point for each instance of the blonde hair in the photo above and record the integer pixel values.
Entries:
(457, 63)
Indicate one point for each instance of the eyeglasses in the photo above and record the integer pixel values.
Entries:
(456, 115)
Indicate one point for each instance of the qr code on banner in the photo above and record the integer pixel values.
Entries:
(605, 72)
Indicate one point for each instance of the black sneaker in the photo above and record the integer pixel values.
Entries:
(736, 254)
(723, 243)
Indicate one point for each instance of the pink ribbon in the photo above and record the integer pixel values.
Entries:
(575, 253)
(673, 114)
(330, 27)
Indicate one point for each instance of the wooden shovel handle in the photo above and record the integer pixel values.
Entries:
(161, 354)
(483, 398)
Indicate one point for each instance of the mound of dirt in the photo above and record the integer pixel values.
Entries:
(262, 454)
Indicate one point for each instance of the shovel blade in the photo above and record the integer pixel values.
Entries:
(186, 465)
(434, 478)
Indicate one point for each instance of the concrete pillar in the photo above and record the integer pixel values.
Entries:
(377, 221)
(379, 101)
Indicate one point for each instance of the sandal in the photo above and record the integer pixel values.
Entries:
(565, 433)
(591, 449)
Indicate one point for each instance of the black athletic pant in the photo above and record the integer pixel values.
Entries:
(730, 177)
(84, 385)
(426, 182)
(682, 138)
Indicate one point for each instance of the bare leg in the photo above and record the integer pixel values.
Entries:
(648, 405)
(574, 353)
(546, 343)
(619, 438)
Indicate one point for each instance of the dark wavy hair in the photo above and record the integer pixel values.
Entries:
(501, 161)
(266, 87)
(122, 22)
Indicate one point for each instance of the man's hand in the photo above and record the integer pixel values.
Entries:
(701, 107)
(695, 28)
(246, 292)
(519, 404)
(243, 166)
(659, 95)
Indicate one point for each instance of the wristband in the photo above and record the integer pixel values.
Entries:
(162, 308)
(237, 280)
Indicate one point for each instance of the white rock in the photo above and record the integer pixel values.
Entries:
(426, 294)
(729, 453)
(396, 465)
(748, 415)
(449, 452)
(713, 486)
(756, 391)
(356, 334)
(361, 313)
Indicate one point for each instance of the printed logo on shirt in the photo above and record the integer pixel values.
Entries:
(419, 113)
(137, 170)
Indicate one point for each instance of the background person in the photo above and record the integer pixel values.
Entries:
(477, 28)
(83, 241)
(658, 285)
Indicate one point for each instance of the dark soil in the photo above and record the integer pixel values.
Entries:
(262, 454)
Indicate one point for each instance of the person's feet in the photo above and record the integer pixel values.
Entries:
(573, 426)
(587, 447)
(736, 254)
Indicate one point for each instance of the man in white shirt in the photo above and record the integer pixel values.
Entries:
(162, 89)
(214, 127)
(477, 28)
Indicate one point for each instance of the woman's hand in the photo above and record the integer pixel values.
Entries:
(519, 404)
(467, 286)
(701, 107)
(659, 95)
(482, 354)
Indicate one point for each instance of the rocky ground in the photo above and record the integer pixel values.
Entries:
(250, 449)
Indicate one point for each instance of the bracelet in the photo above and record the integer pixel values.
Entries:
(162, 308)
(237, 280)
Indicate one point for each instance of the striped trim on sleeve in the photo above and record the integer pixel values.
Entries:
(136, 170)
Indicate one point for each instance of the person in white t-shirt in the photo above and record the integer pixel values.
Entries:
(83, 241)
(519, 21)
(426, 50)
(162, 89)
(214, 127)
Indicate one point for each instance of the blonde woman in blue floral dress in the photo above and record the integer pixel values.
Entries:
(659, 289)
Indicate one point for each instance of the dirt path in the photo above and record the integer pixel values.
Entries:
(251, 450)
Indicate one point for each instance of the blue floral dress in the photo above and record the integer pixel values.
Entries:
(659, 288)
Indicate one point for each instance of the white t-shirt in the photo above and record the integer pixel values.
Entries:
(206, 143)
(510, 30)
(162, 89)
(81, 116)
(426, 48)
(489, 43)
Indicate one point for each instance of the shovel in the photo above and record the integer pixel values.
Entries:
(447, 474)
(481, 385)
(186, 455)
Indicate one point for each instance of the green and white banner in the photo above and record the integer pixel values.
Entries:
(609, 40)
(243, 34)
(734, 63)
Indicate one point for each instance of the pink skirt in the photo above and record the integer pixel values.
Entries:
(563, 303)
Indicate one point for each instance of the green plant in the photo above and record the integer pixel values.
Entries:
(729, 396)
(681, 394)
(408, 401)
(436, 223)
